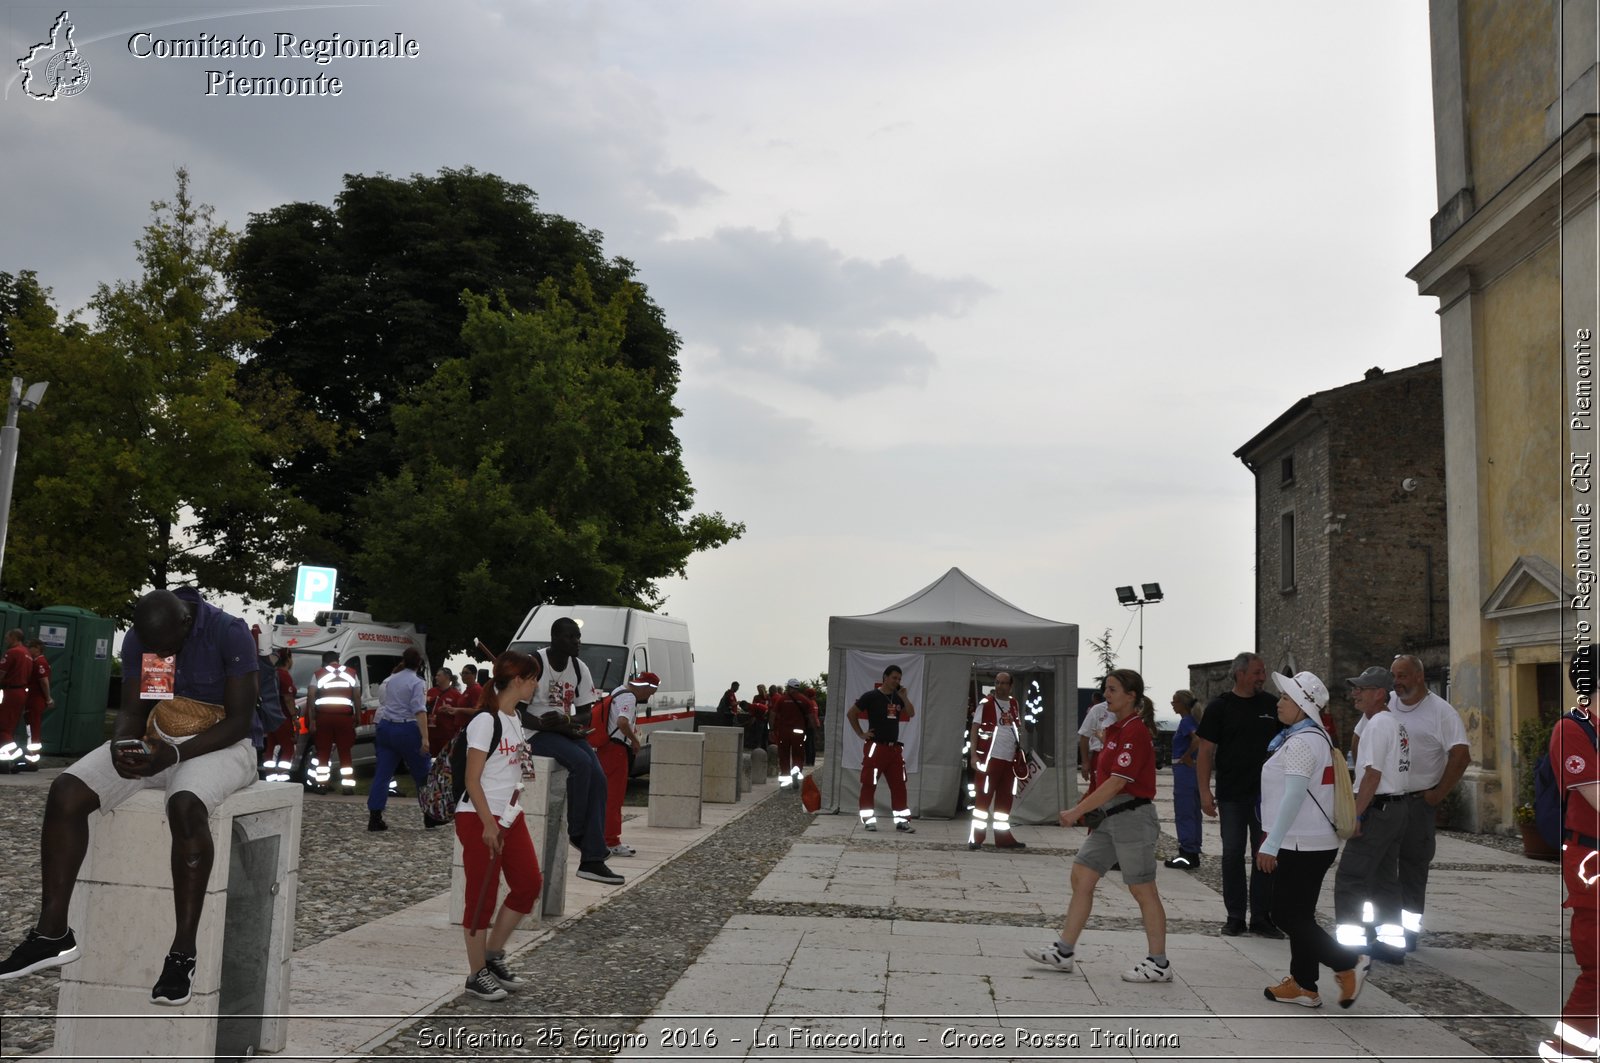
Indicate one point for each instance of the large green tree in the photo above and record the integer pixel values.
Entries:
(364, 303)
(533, 468)
(149, 461)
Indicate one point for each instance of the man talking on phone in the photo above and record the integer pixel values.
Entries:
(189, 689)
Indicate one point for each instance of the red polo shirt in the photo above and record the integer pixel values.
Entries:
(1575, 763)
(1129, 754)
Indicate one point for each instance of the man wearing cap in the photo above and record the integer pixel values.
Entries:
(1439, 754)
(1366, 888)
(616, 743)
(791, 712)
(1234, 732)
(885, 707)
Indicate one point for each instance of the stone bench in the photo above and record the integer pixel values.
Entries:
(122, 914)
(544, 804)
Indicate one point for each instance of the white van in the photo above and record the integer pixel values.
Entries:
(619, 643)
(369, 648)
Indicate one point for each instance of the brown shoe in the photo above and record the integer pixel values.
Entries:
(1289, 991)
(1351, 981)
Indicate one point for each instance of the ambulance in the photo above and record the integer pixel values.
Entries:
(619, 643)
(369, 648)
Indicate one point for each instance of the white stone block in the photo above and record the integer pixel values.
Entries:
(677, 747)
(681, 812)
(758, 767)
(122, 913)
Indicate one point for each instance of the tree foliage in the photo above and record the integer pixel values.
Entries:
(1104, 653)
(538, 466)
(147, 461)
(364, 302)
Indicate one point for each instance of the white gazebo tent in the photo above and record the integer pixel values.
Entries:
(942, 637)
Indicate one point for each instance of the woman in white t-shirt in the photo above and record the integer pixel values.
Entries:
(491, 827)
(1297, 810)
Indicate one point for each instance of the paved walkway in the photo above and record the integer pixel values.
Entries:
(858, 944)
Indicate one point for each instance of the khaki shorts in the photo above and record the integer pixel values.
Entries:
(211, 777)
(1129, 839)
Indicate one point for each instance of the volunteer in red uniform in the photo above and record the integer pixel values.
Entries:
(16, 668)
(471, 694)
(886, 706)
(1127, 835)
(789, 713)
(1577, 770)
(442, 700)
(277, 753)
(616, 742)
(331, 708)
(39, 700)
(999, 764)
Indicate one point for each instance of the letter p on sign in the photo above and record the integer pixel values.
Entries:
(313, 591)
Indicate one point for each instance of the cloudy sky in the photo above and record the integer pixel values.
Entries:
(997, 286)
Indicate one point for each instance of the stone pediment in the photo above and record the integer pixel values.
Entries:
(1530, 603)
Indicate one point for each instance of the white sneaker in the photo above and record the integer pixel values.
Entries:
(1146, 970)
(624, 849)
(1050, 956)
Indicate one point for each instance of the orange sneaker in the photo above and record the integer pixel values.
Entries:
(1351, 981)
(1289, 991)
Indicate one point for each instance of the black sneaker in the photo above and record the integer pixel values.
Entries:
(1266, 929)
(1233, 928)
(485, 986)
(905, 828)
(496, 965)
(429, 822)
(597, 871)
(36, 953)
(176, 974)
(974, 846)
(1181, 862)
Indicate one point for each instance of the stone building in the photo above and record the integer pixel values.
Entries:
(1516, 102)
(1350, 531)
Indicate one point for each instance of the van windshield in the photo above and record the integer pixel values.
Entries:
(608, 664)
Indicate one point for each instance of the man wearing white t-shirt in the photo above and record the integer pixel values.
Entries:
(566, 687)
(1439, 755)
(998, 763)
(1366, 889)
(1090, 737)
(615, 739)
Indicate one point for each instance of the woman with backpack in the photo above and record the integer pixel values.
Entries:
(493, 833)
(1297, 809)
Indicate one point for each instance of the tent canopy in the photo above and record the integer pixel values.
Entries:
(944, 633)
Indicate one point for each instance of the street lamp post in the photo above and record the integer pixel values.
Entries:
(10, 436)
(1152, 595)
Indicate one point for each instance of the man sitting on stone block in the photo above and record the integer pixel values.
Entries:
(189, 689)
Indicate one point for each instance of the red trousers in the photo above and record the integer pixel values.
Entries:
(997, 787)
(335, 728)
(11, 708)
(888, 760)
(1580, 870)
(519, 866)
(614, 759)
(279, 745)
(791, 750)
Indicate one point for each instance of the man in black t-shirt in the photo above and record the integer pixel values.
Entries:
(885, 707)
(1233, 734)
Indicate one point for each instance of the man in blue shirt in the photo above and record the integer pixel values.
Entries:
(180, 648)
(1185, 784)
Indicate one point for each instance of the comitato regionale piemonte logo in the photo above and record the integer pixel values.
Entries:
(55, 69)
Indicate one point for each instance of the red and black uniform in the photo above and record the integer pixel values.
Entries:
(883, 755)
(277, 752)
(1575, 763)
(789, 714)
(38, 683)
(334, 698)
(1001, 765)
(15, 669)
(612, 748)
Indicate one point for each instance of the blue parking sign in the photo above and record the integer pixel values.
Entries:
(313, 589)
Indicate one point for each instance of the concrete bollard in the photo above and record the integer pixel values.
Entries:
(744, 772)
(772, 762)
(758, 767)
(677, 760)
(122, 912)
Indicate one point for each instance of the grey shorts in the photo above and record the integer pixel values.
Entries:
(211, 778)
(1128, 839)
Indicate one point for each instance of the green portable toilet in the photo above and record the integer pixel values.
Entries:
(77, 643)
(11, 616)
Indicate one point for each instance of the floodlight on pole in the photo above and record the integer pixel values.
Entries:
(10, 437)
(1152, 596)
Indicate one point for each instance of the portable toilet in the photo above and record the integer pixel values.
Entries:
(77, 643)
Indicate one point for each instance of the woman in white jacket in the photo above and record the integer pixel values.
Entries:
(1297, 810)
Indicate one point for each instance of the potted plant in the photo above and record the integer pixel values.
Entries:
(1532, 740)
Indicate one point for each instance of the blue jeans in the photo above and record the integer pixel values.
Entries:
(393, 743)
(1240, 822)
(586, 790)
(1186, 807)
